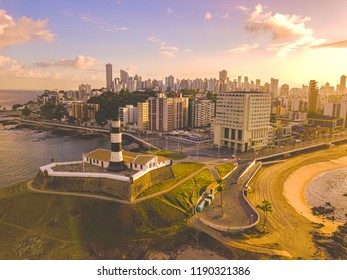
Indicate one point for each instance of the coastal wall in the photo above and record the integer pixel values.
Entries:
(105, 186)
(100, 183)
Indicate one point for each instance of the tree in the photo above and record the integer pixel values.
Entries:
(26, 112)
(16, 106)
(266, 207)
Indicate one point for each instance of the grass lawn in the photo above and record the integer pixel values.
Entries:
(170, 154)
(224, 168)
(46, 226)
(181, 196)
(180, 171)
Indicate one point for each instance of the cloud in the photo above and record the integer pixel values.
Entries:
(169, 51)
(244, 47)
(290, 31)
(208, 16)
(23, 30)
(80, 62)
(131, 69)
(243, 9)
(281, 26)
(8, 65)
(101, 23)
(339, 44)
(304, 43)
(187, 50)
(169, 11)
(152, 39)
(225, 15)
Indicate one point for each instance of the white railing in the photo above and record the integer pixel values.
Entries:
(52, 173)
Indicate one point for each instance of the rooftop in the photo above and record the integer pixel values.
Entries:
(131, 157)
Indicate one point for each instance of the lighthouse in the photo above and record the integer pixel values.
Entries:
(116, 160)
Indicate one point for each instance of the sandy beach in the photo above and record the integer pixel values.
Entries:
(291, 223)
(295, 187)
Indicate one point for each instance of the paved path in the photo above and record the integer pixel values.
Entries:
(237, 244)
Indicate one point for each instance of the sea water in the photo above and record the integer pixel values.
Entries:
(330, 187)
(23, 151)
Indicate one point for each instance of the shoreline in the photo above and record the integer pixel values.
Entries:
(295, 186)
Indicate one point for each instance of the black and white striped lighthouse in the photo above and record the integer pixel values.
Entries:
(116, 160)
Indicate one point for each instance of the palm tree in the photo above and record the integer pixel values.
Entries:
(266, 207)
(221, 189)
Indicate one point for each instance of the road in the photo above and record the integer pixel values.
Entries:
(229, 208)
(261, 249)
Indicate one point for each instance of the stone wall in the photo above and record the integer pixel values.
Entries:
(104, 186)
(151, 178)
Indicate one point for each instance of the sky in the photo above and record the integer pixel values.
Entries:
(61, 44)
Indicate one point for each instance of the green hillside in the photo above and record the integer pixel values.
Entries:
(43, 226)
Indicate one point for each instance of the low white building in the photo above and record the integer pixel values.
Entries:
(134, 161)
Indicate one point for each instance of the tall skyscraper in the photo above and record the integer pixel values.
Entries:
(343, 84)
(274, 88)
(170, 82)
(124, 77)
(223, 75)
(313, 97)
(109, 81)
(239, 83)
(242, 120)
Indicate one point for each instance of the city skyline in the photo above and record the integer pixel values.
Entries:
(64, 44)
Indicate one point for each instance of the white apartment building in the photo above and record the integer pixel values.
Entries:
(242, 120)
(127, 115)
(166, 114)
(201, 112)
(337, 110)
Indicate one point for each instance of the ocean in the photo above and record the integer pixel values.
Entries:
(23, 151)
(330, 188)
(11, 97)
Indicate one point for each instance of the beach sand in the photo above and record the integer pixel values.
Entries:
(295, 186)
(291, 223)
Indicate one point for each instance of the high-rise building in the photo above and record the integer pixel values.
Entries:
(124, 77)
(142, 115)
(84, 111)
(223, 75)
(84, 91)
(284, 90)
(242, 120)
(239, 83)
(274, 88)
(313, 97)
(127, 115)
(200, 112)
(167, 114)
(170, 82)
(109, 81)
(257, 84)
(343, 84)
